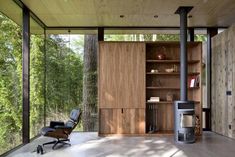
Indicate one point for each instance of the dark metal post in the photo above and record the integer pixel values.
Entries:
(191, 34)
(26, 74)
(45, 77)
(183, 11)
(100, 33)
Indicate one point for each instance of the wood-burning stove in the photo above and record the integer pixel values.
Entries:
(184, 109)
(184, 121)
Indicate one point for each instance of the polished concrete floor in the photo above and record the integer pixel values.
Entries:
(90, 145)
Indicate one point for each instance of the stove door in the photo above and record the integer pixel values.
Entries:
(187, 120)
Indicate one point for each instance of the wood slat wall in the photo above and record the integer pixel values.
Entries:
(122, 75)
(223, 81)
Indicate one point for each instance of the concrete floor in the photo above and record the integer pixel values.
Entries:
(90, 145)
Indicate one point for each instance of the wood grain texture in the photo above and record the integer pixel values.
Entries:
(123, 81)
(223, 80)
(121, 121)
(65, 13)
(121, 75)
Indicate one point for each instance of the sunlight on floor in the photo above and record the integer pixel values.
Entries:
(90, 145)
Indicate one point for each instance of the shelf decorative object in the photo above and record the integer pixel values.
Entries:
(161, 55)
(170, 70)
(154, 71)
(175, 68)
(169, 96)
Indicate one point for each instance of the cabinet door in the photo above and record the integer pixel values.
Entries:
(121, 75)
(133, 121)
(108, 121)
(122, 121)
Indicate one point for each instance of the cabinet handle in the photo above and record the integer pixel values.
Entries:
(122, 110)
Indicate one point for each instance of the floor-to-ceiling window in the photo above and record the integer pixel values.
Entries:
(65, 77)
(37, 78)
(10, 77)
(141, 35)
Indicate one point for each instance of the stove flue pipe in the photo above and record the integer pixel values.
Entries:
(183, 11)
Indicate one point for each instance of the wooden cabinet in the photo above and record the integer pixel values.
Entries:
(121, 75)
(126, 83)
(121, 88)
(122, 121)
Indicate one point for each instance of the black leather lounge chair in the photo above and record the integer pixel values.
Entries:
(60, 130)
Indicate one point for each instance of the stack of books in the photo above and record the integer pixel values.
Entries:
(154, 99)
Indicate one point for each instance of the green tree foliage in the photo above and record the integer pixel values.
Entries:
(36, 84)
(141, 37)
(64, 79)
(10, 84)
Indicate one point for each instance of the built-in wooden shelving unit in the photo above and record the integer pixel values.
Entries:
(159, 115)
(130, 74)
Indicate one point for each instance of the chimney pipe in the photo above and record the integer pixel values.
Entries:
(183, 11)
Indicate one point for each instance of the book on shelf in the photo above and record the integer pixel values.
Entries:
(154, 99)
(194, 81)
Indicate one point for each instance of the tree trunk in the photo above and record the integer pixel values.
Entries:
(90, 83)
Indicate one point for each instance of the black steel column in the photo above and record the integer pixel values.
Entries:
(183, 11)
(191, 34)
(25, 73)
(210, 33)
(100, 33)
(45, 77)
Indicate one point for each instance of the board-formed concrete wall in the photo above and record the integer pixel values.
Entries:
(223, 83)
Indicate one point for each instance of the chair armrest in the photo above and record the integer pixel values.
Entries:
(56, 123)
(62, 127)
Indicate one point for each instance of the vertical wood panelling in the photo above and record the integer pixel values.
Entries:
(122, 75)
(223, 74)
(233, 83)
(122, 121)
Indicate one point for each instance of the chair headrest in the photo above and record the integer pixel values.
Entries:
(75, 114)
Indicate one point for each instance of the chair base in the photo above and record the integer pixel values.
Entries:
(58, 141)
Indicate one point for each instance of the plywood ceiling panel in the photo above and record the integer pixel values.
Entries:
(136, 12)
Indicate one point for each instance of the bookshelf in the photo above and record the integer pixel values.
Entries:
(159, 83)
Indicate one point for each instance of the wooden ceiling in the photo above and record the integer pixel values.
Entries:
(83, 13)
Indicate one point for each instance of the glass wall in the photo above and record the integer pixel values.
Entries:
(37, 78)
(141, 35)
(10, 77)
(201, 36)
(64, 75)
(69, 74)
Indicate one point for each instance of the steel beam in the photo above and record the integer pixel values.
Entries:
(45, 78)
(191, 34)
(100, 33)
(26, 74)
